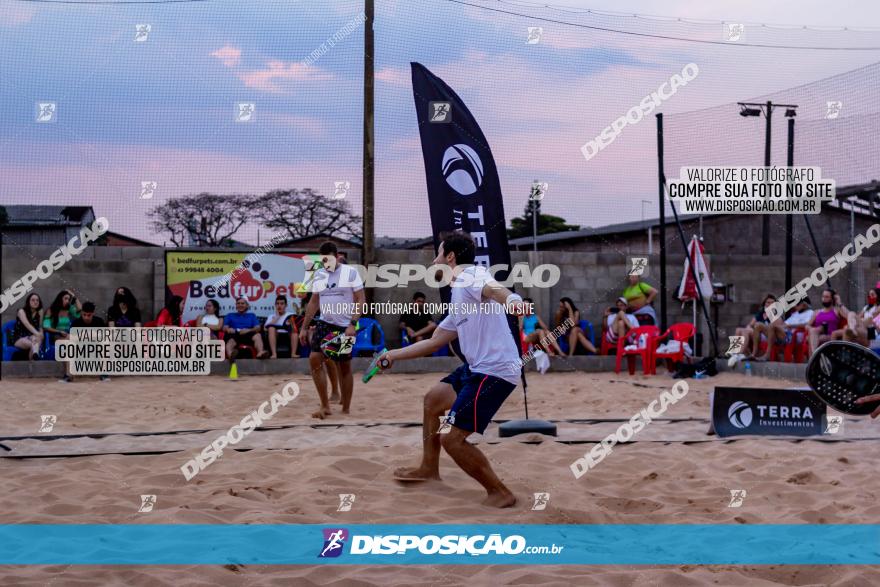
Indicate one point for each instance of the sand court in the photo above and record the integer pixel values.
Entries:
(135, 435)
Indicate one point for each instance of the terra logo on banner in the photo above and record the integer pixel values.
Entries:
(766, 412)
(462, 169)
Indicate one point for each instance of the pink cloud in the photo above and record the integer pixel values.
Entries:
(267, 79)
(313, 127)
(16, 13)
(394, 76)
(229, 56)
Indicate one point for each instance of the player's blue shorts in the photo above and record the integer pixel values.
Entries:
(479, 397)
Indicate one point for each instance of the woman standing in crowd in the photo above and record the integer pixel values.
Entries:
(28, 331)
(211, 319)
(639, 295)
(64, 310)
(124, 312)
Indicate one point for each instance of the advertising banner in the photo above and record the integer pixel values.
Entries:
(198, 276)
(738, 411)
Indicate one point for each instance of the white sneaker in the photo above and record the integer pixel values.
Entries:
(734, 359)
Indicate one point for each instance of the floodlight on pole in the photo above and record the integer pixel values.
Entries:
(747, 109)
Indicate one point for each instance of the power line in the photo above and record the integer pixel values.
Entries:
(116, 2)
(656, 36)
(574, 10)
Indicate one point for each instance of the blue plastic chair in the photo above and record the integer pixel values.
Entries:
(370, 338)
(8, 349)
(404, 338)
(587, 327)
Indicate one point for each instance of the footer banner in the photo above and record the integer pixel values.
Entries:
(637, 544)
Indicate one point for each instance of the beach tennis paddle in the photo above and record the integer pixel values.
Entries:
(841, 372)
(376, 365)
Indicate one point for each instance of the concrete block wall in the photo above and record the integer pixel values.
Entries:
(592, 279)
(94, 275)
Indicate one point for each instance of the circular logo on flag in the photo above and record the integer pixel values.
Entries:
(462, 169)
(740, 414)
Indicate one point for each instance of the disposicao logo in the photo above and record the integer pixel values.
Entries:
(427, 545)
(334, 541)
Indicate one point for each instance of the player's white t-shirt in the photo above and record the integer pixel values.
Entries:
(336, 290)
(483, 334)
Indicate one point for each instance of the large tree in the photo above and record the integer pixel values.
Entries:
(203, 220)
(302, 213)
(547, 223)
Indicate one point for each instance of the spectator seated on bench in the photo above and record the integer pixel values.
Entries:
(242, 329)
(860, 327)
(828, 323)
(280, 330)
(24, 335)
(418, 324)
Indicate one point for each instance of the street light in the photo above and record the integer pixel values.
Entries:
(747, 109)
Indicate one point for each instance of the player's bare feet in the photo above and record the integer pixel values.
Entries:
(415, 474)
(322, 413)
(500, 500)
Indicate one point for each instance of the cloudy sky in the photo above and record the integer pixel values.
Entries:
(164, 109)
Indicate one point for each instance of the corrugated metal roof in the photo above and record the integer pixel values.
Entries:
(40, 215)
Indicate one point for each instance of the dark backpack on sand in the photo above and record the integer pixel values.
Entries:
(706, 366)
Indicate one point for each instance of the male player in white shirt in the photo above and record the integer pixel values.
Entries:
(338, 292)
(474, 392)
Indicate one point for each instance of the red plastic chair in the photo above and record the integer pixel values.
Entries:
(778, 348)
(191, 323)
(680, 331)
(646, 352)
(150, 324)
(798, 348)
(606, 345)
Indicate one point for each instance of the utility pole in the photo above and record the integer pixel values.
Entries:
(765, 218)
(535, 206)
(369, 226)
(757, 109)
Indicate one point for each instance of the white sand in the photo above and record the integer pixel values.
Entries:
(649, 481)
